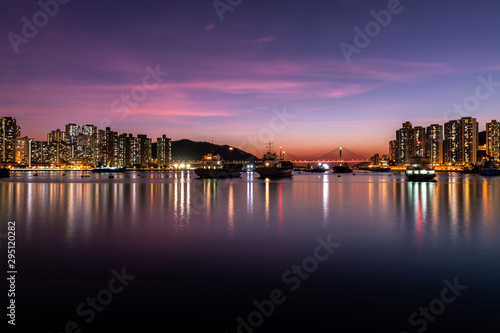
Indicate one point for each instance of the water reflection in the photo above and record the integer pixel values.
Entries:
(230, 211)
(267, 208)
(250, 186)
(325, 198)
(420, 195)
(454, 210)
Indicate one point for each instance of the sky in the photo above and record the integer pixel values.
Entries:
(307, 75)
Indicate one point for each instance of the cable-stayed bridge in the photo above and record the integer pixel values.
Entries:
(337, 155)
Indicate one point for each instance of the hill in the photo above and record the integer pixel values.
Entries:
(187, 150)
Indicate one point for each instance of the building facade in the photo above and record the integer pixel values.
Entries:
(493, 139)
(434, 143)
(9, 132)
(164, 152)
(403, 137)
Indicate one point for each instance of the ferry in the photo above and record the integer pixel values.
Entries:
(274, 166)
(213, 166)
(420, 171)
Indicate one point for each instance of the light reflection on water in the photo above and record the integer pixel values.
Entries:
(393, 233)
(456, 208)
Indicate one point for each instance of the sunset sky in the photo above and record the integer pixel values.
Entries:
(226, 77)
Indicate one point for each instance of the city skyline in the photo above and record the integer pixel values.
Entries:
(457, 142)
(196, 76)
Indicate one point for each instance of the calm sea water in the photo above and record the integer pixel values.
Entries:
(252, 255)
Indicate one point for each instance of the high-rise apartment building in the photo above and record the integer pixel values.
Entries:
(417, 142)
(393, 152)
(108, 147)
(56, 136)
(403, 144)
(135, 152)
(124, 150)
(451, 141)
(9, 133)
(72, 133)
(493, 139)
(23, 151)
(460, 141)
(89, 132)
(164, 151)
(145, 150)
(434, 143)
(469, 141)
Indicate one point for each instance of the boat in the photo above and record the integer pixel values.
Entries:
(420, 170)
(4, 173)
(476, 169)
(105, 168)
(380, 169)
(490, 168)
(213, 166)
(341, 168)
(274, 166)
(321, 167)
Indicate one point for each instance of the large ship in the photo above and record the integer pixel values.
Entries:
(273, 166)
(213, 166)
(341, 168)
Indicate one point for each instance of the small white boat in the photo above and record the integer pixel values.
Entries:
(108, 169)
(420, 171)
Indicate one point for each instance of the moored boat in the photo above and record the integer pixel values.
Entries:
(274, 166)
(213, 166)
(490, 168)
(380, 169)
(102, 168)
(420, 170)
(321, 167)
(342, 168)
